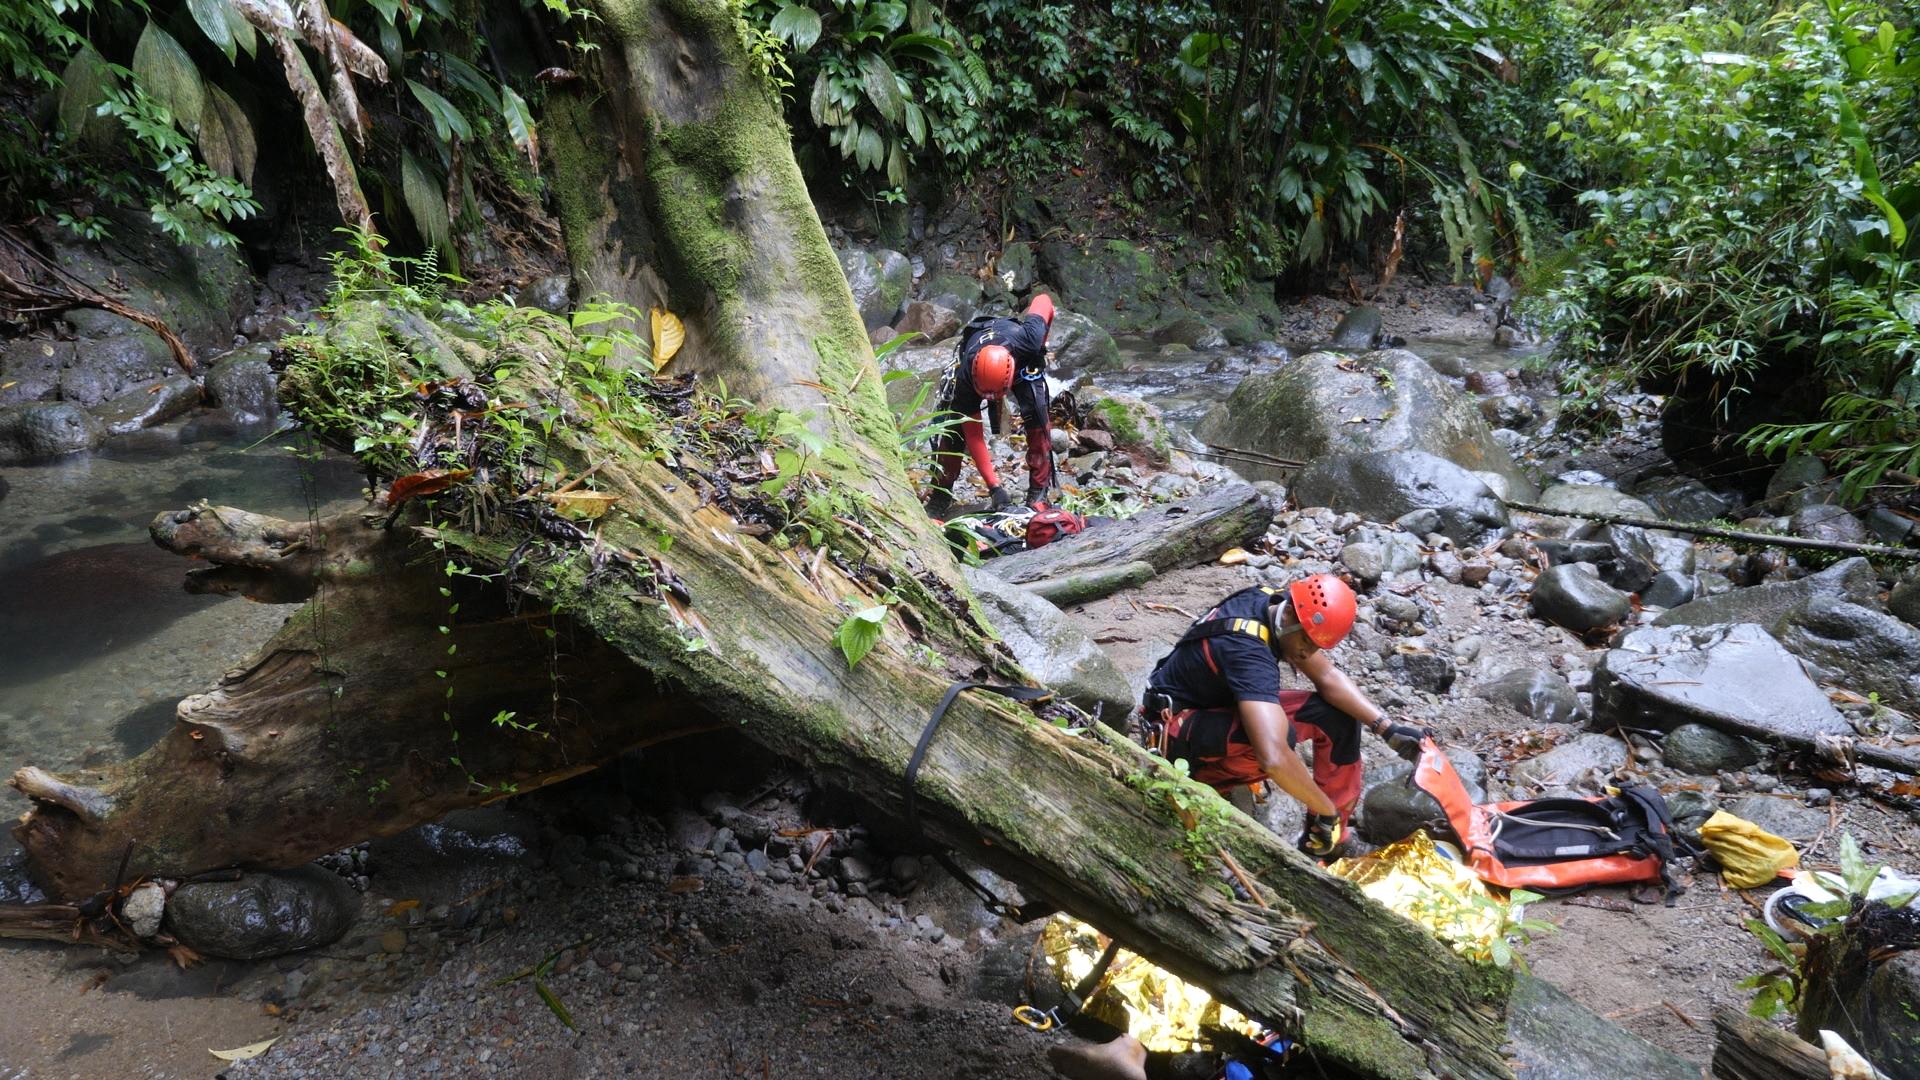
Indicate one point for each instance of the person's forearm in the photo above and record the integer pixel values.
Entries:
(1339, 691)
(1293, 777)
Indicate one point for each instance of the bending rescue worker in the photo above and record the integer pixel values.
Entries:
(997, 355)
(1216, 701)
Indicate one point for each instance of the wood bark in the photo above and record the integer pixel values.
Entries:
(1742, 536)
(710, 208)
(1180, 534)
(1749, 1049)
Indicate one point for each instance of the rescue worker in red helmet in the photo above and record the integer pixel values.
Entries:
(997, 356)
(1216, 701)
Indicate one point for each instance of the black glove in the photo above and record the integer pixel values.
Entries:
(1404, 739)
(999, 497)
(1322, 835)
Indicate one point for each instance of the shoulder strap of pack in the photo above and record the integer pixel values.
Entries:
(1212, 628)
(1655, 822)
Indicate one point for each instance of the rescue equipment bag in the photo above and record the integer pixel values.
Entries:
(1550, 845)
(1050, 524)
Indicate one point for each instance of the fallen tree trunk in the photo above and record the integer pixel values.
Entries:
(710, 565)
(1749, 1049)
(1093, 584)
(1179, 534)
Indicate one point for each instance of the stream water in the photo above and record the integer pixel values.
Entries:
(98, 637)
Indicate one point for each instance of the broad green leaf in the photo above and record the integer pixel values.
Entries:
(243, 33)
(226, 137)
(928, 48)
(820, 104)
(799, 24)
(470, 79)
(872, 150)
(1896, 226)
(881, 85)
(888, 16)
(858, 634)
(916, 123)
(1359, 54)
(426, 202)
(211, 17)
(83, 86)
(520, 125)
(897, 163)
(448, 121)
(168, 75)
(1855, 871)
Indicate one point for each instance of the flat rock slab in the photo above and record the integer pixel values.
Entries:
(1852, 580)
(1051, 648)
(1178, 534)
(1554, 1037)
(1736, 678)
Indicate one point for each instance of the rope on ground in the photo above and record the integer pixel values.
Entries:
(1880, 551)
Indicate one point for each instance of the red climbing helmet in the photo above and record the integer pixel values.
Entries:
(1325, 607)
(992, 371)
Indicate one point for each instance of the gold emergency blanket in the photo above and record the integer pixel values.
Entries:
(1163, 1012)
(1413, 878)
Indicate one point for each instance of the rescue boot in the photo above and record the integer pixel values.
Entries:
(939, 503)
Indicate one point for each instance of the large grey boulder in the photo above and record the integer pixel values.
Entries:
(264, 913)
(46, 429)
(1359, 329)
(30, 368)
(928, 319)
(1856, 648)
(1825, 521)
(1851, 579)
(1080, 346)
(1735, 678)
(1116, 281)
(879, 279)
(1328, 404)
(148, 404)
(244, 383)
(125, 354)
(1682, 498)
(1535, 693)
(1191, 332)
(1385, 485)
(1800, 481)
(1051, 648)
(953, 290)
(1784, 816)
(1568, 595)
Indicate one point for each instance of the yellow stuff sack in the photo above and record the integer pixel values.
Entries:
(1749, 856)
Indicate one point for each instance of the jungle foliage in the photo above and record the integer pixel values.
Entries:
(163, 105)
(1752, 190)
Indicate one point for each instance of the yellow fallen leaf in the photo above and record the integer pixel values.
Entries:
(668, 335)
(1233, 556)
(244, 1053)
(401, 907)
(582, 505)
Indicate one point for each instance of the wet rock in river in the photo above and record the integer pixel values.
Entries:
(1852, 580)
(1737, 676)
(264, 913)
(1190, 332)
(1513, 411)
(148, 404)
(1682, 498)
(46, 429)
(931, 321)
(1640, 555)
(127, 354)
(1904, 600)
(1856, 648)
(1359, 329)
(955, 291)
(1387, 484)
(1535, 693)
(1080, 346)
(1051, 648)
(1705, 751)
(1800, 481)
(1115, 280)
(1569, 596)
(244, 384)
(1328, 404)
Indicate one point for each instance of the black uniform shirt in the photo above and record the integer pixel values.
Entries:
(1024, 336)
(1248, 670)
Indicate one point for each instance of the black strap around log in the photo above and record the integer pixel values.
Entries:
(1022, 913)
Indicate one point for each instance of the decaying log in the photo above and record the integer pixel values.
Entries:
(1858, 980)
(1093, 584)
(1721, 532)
(1749, 1049)
(677, 181)
(1180, 534)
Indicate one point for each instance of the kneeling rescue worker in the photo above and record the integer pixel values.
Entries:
(996, 356)
(1216, 701)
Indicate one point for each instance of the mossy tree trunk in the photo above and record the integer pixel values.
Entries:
(682, 603)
